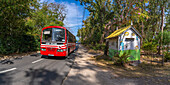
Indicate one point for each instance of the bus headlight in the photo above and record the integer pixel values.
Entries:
(64, 49)
(43, 49)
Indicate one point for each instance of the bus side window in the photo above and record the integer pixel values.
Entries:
(70, 38)
(67, 35)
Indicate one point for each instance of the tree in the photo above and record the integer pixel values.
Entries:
(51, 14)
(108, 15)
(12, 24)
(21, 22)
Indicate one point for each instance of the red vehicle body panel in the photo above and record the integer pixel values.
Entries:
(51, 50)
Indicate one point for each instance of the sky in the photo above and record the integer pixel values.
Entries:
(74, 16)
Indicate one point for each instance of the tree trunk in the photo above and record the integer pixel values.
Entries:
(162, 28)
(142, 34)
(106, 47)
(161, 40)
(107, 41)
(102, 38)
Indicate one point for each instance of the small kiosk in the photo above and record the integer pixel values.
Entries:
(126, 39)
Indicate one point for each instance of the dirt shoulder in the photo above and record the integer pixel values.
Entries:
(142, 70)
(17, 55)
(144, 73)
(89, 71)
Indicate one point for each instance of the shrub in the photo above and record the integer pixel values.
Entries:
(166, 56)
(149, 46)
(19, 44)
(100, 46)
(122, 59)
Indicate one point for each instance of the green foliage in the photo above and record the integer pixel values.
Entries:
(107, 15)
(166, 39)
(149, 47)
(100, 46)
(22, 21)
(19, 44)
(122, 59)
(166, 56)
(97, 46)
(57, 23)
(12, 28)
(46, 15)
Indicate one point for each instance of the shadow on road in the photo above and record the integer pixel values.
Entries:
(77, 47)
(56, 58)
(43, 77)
(35, 55)
(5, 80)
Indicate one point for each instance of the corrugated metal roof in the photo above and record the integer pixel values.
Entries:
(118, 32)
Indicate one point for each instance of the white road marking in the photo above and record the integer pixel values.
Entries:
(8, 70)
(37, 60)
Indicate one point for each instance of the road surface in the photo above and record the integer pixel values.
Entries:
(34, 70)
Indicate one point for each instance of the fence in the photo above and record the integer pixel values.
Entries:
(159, 59)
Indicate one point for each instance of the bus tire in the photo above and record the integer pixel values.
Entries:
(44, 56)
(68, 51)
(66, 56)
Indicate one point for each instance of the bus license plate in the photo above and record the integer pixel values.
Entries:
(59, 50)
(50, 55)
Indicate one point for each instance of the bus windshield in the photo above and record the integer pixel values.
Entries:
(54, 35)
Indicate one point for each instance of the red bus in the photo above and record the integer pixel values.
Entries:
(57, 41)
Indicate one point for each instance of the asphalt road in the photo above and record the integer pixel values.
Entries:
(34, 70)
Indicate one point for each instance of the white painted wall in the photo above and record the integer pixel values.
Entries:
(129, 45)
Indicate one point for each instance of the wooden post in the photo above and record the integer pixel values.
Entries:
(151, 57)
(162, 60)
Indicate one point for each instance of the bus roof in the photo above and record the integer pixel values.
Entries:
(53, 27)
(56, 27)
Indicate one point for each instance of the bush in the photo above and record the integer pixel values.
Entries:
(100, 46)
(19, 44)
(149, 46)
(166, 56)
(122, 59)
(95, 47)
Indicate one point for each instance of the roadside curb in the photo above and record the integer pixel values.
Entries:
(66, 76)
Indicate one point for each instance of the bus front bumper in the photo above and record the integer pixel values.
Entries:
(53, 53)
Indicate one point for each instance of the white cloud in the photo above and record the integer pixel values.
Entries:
(49, 1)
(74, 24)
(74, 15)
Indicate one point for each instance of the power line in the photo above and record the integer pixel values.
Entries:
(77, 11)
